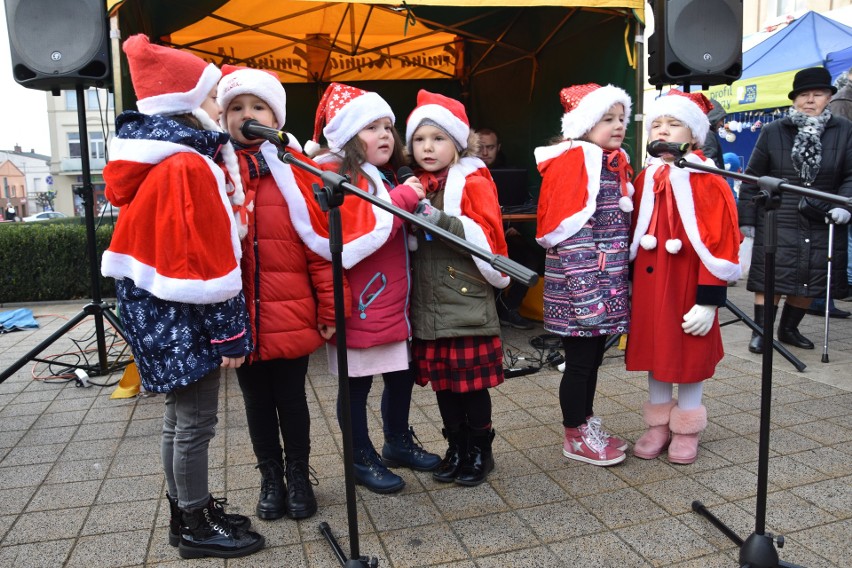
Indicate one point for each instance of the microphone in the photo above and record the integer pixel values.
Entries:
(657, 148)
(252, 129)
(403, 174)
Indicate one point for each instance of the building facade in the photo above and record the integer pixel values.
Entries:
(25, 179)
(66, 149)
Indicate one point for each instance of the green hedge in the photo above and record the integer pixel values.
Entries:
(48, 261)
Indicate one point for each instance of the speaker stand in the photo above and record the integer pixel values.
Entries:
(97, 307)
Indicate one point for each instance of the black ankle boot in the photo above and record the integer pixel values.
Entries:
(238, 521)
(788, 327)
(206, 532)
(479, 460)
(756, 343)
(372, 473)
(401, 450)
(301, 502)
(272, 503)
(448, 469)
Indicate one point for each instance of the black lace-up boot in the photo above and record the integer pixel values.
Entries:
(272, 503)
(238, 521)
(205, 531)
(404, 450)
(301, 502)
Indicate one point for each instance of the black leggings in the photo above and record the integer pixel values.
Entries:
(458, 408)
(583, 357)
(396, 403)
(274, 396)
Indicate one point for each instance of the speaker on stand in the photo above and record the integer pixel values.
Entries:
(696, 42)
(56, 45)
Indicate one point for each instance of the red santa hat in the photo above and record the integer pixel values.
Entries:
(166, 80)
(586, 104)
(445, 113)
(344, 111)
(689, 108)
(260, 83)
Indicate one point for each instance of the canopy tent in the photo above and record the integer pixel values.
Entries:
(506, 60)
(839, 61)
(769, 67)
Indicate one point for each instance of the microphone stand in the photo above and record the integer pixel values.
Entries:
(330, 197)
(758, 550)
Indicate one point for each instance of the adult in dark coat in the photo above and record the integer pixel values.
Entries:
(841, 105)
(712, 148)
(811, 148)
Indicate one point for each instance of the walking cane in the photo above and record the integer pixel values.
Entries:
(828, 293)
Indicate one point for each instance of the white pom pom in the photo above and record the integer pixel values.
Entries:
(312, 148)
(412, 243)
(674, 245)
(625, 204)
(648, 242)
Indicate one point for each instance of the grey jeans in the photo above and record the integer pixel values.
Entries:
(189, 423)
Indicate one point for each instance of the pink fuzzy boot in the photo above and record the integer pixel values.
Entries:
(656, 438)
(686, 426)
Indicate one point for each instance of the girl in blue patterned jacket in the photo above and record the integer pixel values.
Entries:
(175, 257)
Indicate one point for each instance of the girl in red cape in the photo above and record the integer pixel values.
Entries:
(456, 344)
(685, 249)
(583, 222)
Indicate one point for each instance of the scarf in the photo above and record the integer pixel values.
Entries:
(137, 126)
(807, 145)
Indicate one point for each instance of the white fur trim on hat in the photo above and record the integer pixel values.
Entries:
(681, 108)
(448, 122)
(261, 84)
(591, 109)
(181, 103)
(352, 118)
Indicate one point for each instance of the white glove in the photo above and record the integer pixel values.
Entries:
(699, 320)
(747, 230)
(839, 216)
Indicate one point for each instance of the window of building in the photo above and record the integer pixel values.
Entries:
(784, 7)
(96, 145)
(70, 100)
(92, 102)
(74, 145)
(110, 101)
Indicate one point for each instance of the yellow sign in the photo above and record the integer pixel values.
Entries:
(757, 93)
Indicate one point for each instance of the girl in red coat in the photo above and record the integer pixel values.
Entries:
(363, 144)
(685, 250)
(288, 292)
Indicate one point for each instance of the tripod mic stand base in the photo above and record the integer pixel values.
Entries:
(341, 556)
(757, 551)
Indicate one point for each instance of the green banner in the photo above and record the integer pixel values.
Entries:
(757, 93)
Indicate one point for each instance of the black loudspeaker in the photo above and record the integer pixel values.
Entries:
(59, 44)
(696, 42)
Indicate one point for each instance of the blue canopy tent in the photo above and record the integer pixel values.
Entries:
(760, 95)
(839, 61)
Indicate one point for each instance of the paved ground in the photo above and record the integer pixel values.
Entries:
(81, 485)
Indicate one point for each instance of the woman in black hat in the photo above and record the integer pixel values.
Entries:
(809, 148)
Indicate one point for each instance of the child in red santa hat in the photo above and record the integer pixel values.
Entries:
(285, 282)
(175, 256)
(456, 330)
(584, 223)
(363, 144)
(684, 248)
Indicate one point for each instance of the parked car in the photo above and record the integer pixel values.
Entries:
(44, 216)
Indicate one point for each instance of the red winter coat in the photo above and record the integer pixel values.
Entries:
(288, 288)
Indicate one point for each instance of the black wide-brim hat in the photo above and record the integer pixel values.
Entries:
(811, 78)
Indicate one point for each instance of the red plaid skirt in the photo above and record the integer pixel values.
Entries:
(458, 364)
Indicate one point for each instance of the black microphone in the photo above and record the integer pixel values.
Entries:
(657, 148)
(253, 130)
(403, 174)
